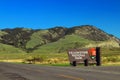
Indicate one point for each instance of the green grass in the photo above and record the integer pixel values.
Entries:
(68, 42)
(50, 54)
(48, 58)
(111, 64)
(110, 56)
(36, 39)
(9, 49)
(12, 56)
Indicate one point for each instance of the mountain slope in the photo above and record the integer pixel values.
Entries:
(9, 49)
(63, 44)
(90, 32)
(57, 39)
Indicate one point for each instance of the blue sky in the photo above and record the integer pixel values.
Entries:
(43, 14)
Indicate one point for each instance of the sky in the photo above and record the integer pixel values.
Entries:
(44, 14)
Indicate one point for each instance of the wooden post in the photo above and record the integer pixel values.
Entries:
(98, 56)
(86, 62)
(74, 63)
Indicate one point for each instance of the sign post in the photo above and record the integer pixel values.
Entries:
(98, 56)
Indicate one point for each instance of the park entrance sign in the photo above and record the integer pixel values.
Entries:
(86, 56)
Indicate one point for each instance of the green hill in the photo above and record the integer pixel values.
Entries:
(63, 44)
(9, 49)
(56, 40)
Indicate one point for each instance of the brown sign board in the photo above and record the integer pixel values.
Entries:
(80, 55)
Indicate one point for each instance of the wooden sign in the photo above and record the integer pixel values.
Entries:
(77, 56)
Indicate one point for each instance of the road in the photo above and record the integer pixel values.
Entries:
(11, 71)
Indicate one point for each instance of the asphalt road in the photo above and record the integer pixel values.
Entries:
(10, 71)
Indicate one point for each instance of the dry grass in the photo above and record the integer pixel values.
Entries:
(14, 60)
(109, 44)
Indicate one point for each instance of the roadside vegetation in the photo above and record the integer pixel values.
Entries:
(109, 56)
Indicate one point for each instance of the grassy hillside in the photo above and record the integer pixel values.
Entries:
(65, 43)
(37, 39)
(73, 41)
(31, 40)
(2, 33)
(104, 44)
(9, 49)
